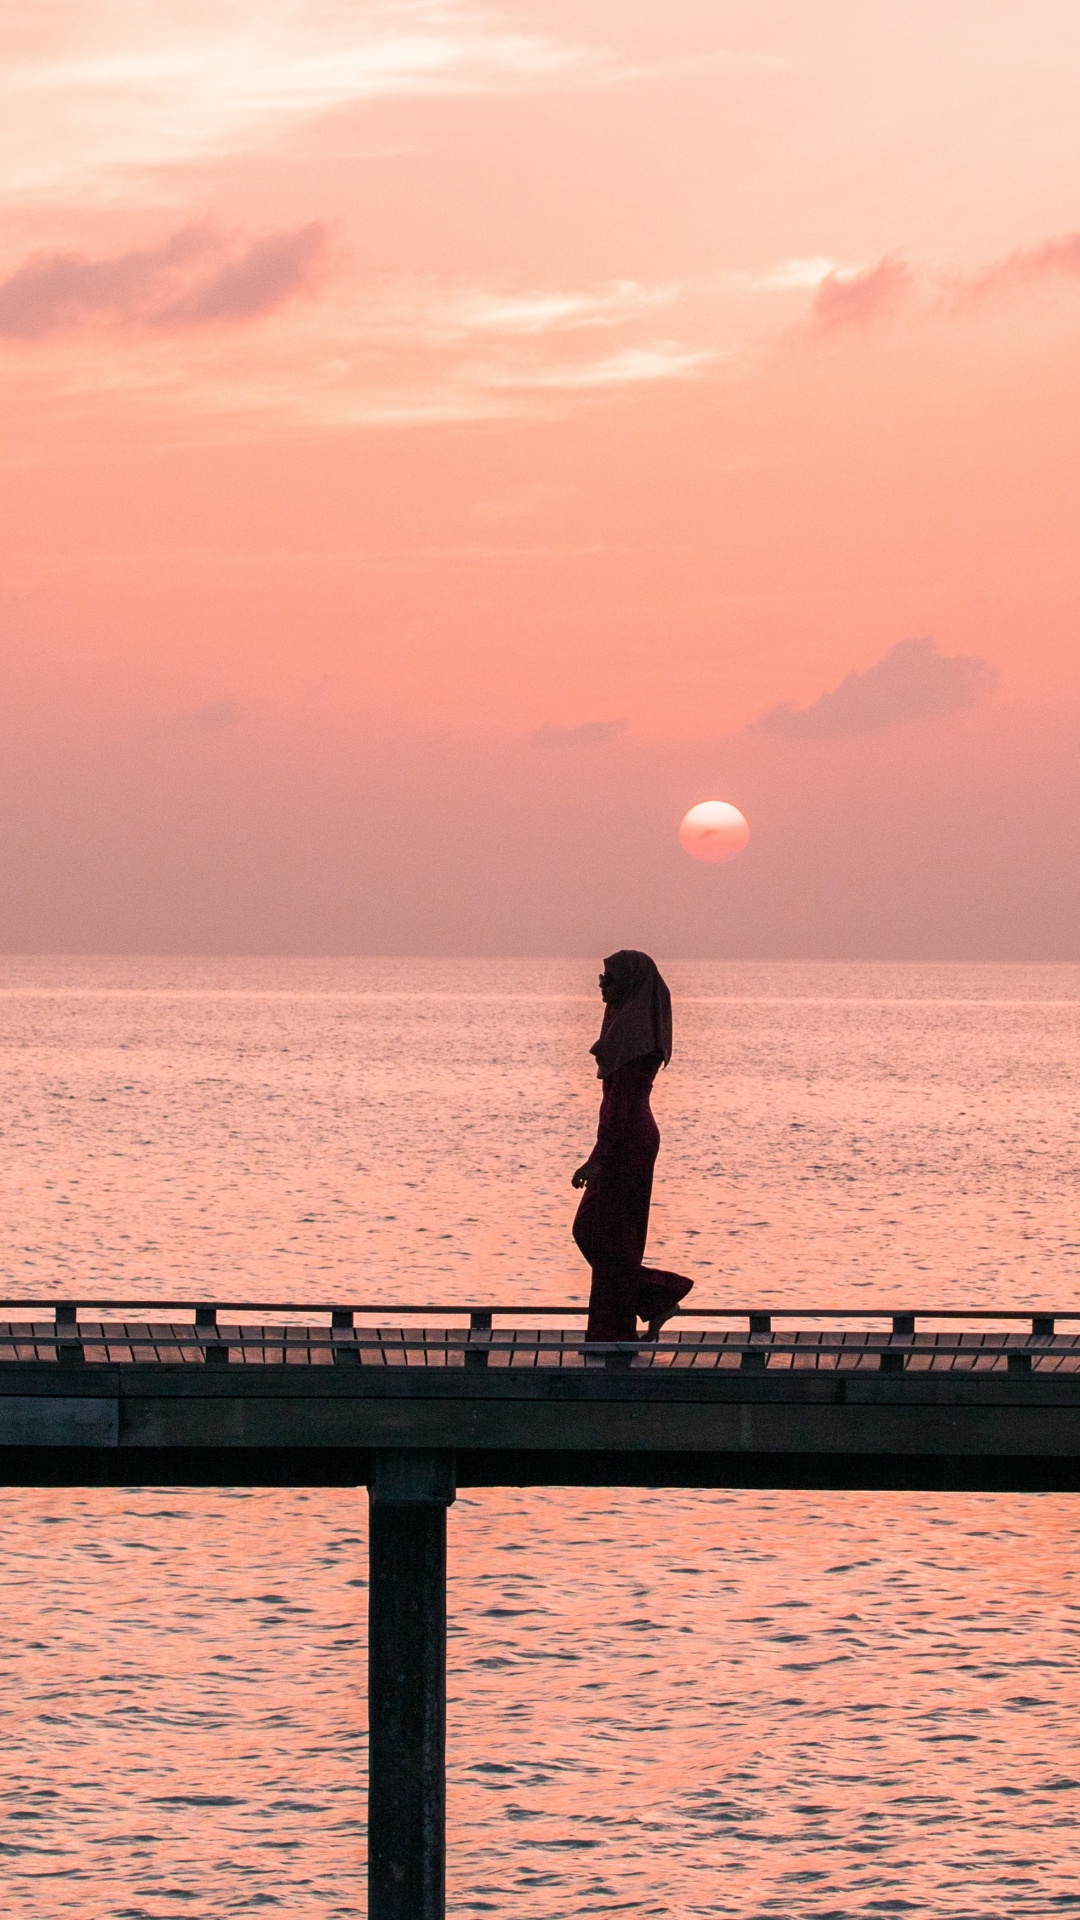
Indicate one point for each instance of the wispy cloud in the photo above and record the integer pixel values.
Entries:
(165, 83)
(468, 392)
(193, 278)
(789, 275)
(157, 325)
(129, 89)
(593, 733)
(477, 311)
(631, 366)
(912, 682)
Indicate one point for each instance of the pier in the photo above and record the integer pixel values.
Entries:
(415, 1401)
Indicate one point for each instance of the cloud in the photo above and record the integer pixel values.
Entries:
(789, 275)
(1053, 260)
(194, 278)
(262, 277)
(855, 299)
(594, 733)
(213, 718)
(162, 84)
(913, 681)
(406, 353)
(433, 315)
(661, 360)
(859, 297)
(475, 311)
(110, 92)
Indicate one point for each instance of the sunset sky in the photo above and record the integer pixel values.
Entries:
(444, 443)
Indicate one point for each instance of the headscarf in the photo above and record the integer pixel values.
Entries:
(641, 1023)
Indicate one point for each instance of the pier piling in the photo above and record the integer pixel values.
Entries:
(410, 1490)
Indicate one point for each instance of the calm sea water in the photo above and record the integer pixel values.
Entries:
(661, 1703)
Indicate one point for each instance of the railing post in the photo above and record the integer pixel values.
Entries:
(411, 1489)
(66, 1317)
(479, 1322)
(346, 1354)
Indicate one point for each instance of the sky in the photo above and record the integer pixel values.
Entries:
(444, 443)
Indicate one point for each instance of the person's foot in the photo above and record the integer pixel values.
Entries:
(659, 1320)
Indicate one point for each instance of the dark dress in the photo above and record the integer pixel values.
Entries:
(612, 1223)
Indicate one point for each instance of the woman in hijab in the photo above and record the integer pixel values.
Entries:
(612, 1222)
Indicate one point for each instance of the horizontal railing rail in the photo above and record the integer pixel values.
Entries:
(760, 1320)
(106, 1333)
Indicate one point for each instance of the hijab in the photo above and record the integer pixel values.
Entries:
(641, 1023)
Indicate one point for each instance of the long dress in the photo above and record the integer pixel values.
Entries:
(612, 1223)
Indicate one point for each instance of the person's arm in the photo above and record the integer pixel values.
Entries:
(610, 1128)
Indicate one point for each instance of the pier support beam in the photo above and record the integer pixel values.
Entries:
(411, 1489)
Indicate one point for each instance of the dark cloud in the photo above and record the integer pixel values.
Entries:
(855, 299)
(194, 278)
(594, 733)
(913, 681)
(209, 719)
(262, 277)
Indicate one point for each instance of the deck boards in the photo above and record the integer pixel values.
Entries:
(179, 1343)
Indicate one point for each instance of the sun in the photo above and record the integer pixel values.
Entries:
(714, 831)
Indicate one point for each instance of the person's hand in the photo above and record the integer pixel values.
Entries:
(588, 1171)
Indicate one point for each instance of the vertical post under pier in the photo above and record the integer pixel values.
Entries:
(411, 1489)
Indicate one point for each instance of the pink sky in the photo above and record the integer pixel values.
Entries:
(436, 436)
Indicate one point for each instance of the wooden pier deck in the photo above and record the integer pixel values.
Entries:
(100, 1393)
(413, 1402)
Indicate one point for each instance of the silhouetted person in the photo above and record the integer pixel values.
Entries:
(612, 1223)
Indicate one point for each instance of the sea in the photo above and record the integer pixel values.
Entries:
(675, 1703)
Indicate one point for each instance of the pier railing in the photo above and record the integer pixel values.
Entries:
(892, 1340)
